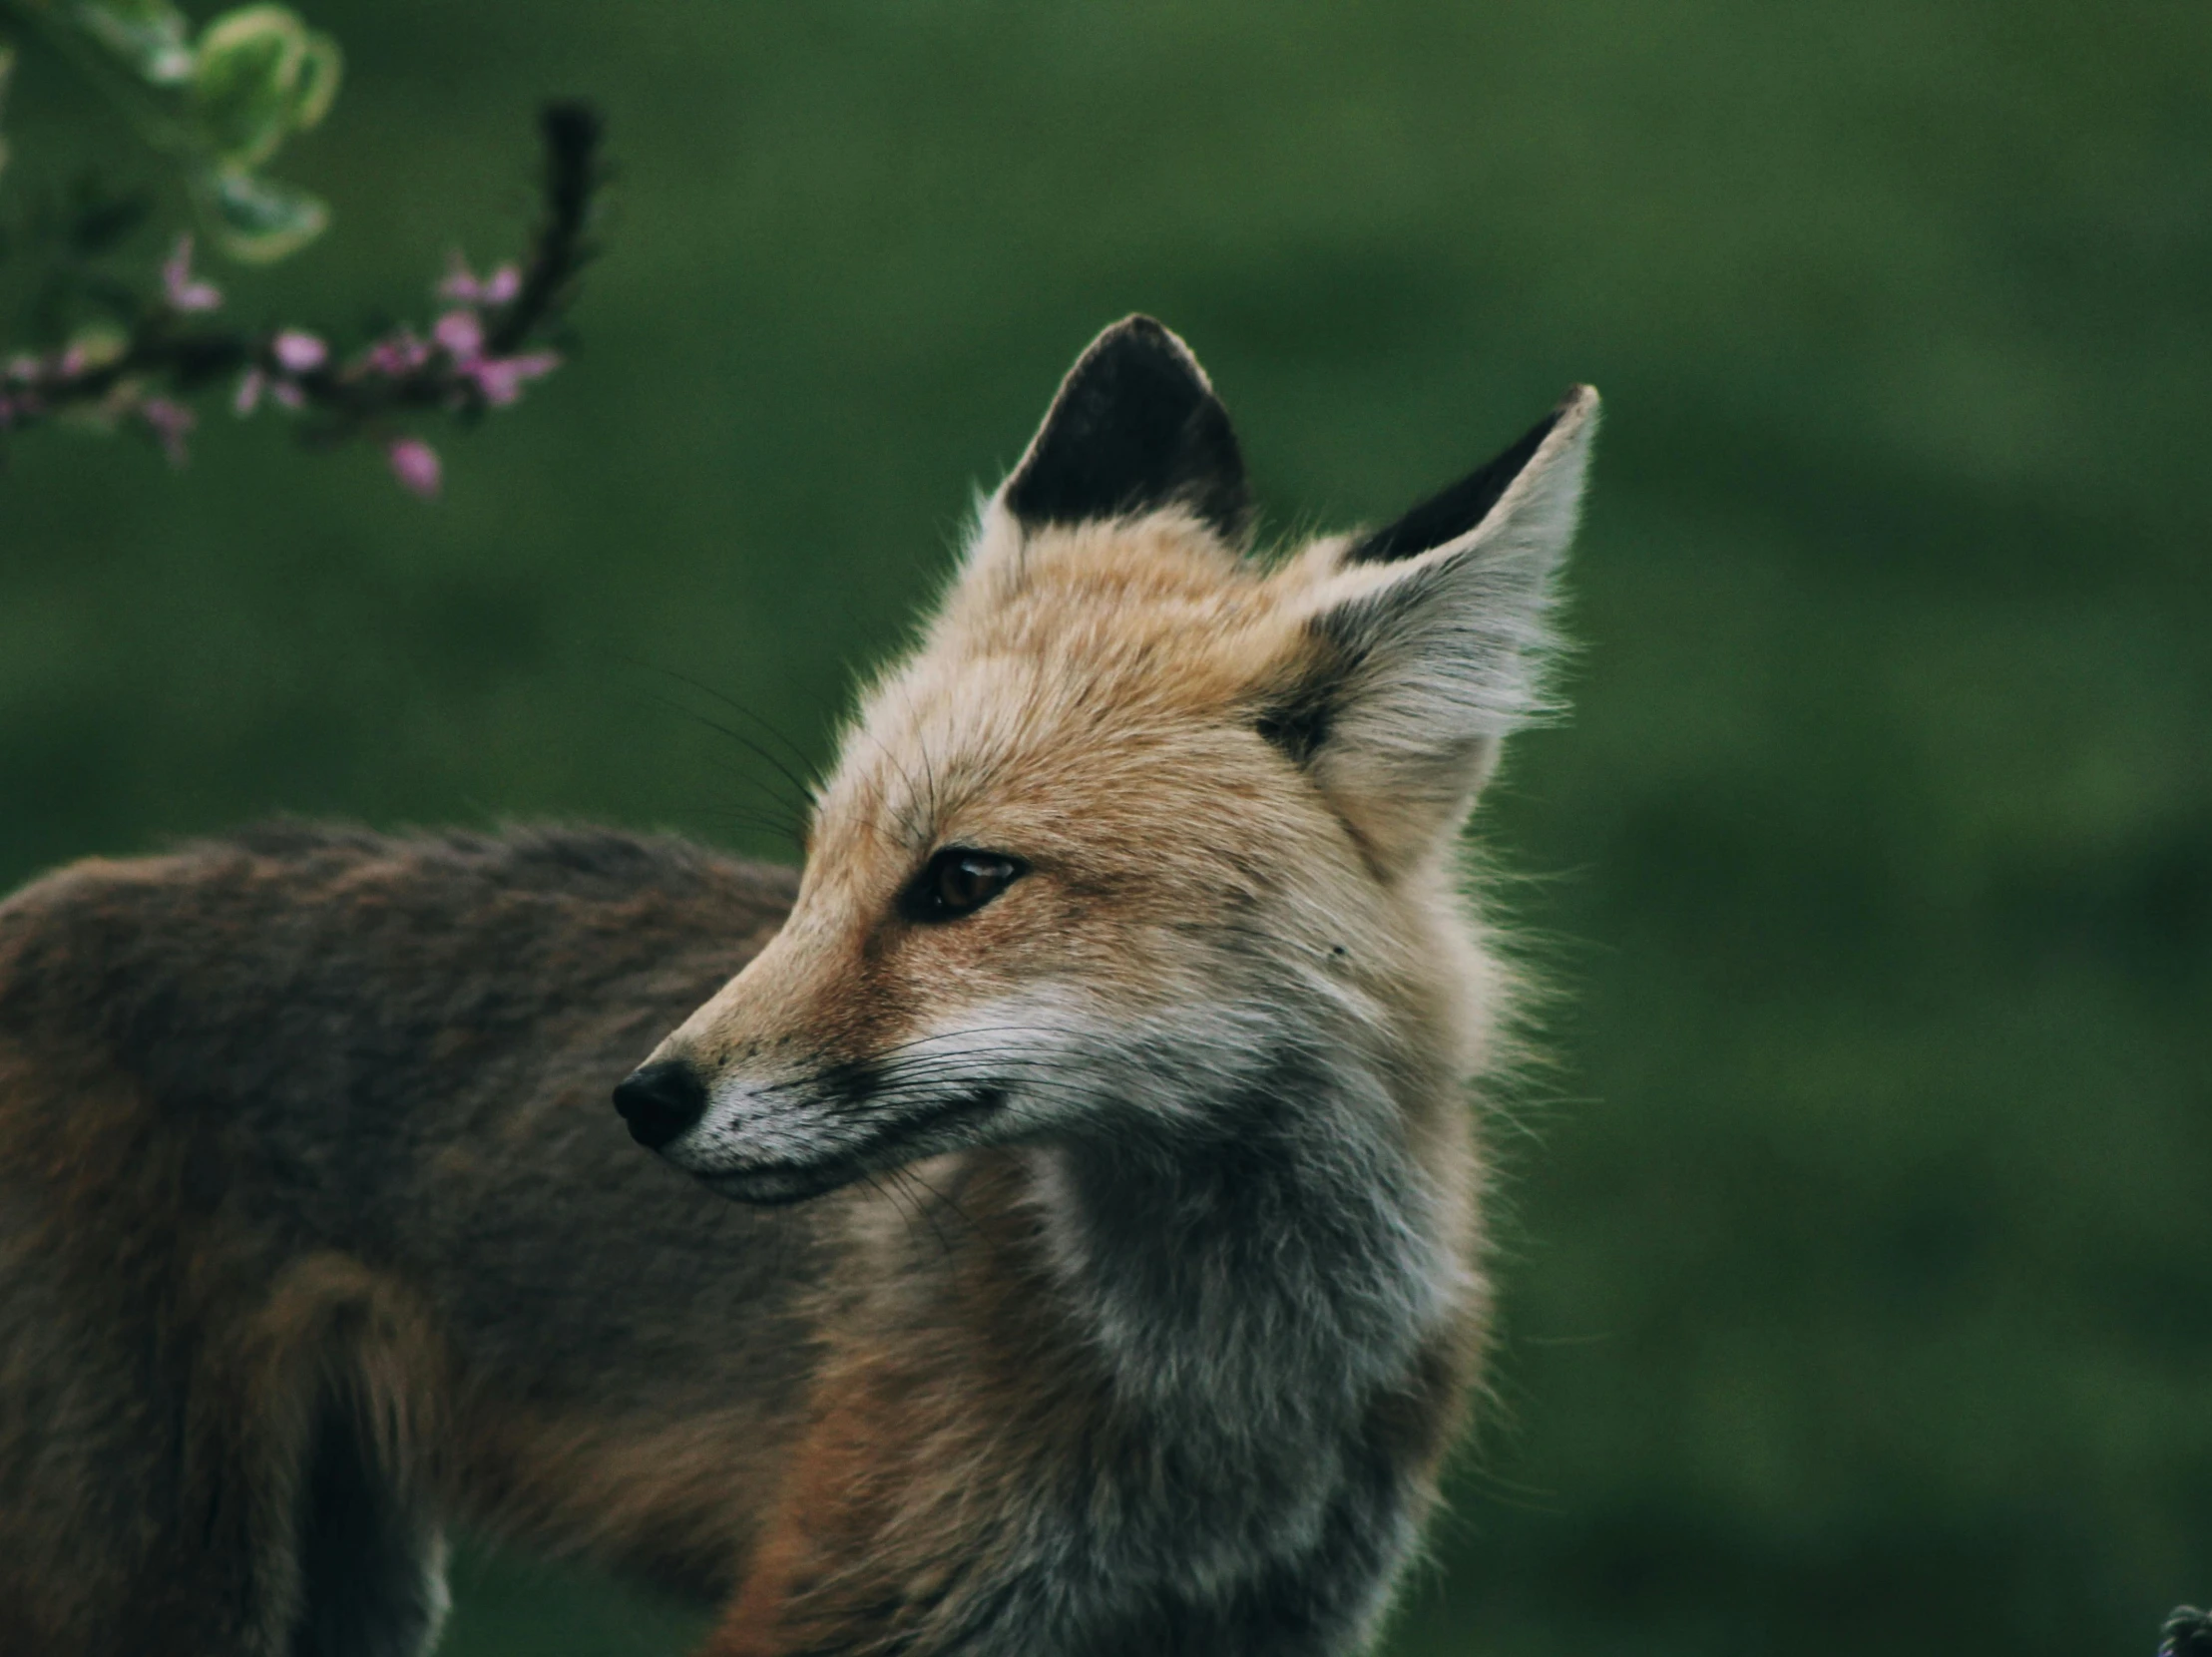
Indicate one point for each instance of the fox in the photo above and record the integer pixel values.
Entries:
(1061, 1222)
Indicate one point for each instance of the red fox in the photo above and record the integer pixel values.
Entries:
(1065, 1232)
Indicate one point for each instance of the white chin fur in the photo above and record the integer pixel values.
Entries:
(747, 1125)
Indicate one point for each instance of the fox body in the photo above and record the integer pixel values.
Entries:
(1103, 1273)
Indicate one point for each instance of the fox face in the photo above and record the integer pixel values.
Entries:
(1148, 830)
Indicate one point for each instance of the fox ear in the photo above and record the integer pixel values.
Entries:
(1135, 427)
(1430, 644)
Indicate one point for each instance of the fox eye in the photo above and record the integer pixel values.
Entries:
(957, 881)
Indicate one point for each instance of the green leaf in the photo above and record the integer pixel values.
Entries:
(246, 82)
(257, 221)
(98, 344)
(149, 35)
(320, 73)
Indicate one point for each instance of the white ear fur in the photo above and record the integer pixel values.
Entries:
(1426, 664)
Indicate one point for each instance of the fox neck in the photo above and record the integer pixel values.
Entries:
(1260, 1279)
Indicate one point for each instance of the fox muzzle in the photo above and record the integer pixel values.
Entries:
(660, 1100)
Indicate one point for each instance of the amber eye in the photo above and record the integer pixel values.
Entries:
(957, 881)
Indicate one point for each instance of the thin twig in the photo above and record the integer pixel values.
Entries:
(477, 356)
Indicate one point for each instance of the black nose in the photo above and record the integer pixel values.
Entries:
(660, 1100)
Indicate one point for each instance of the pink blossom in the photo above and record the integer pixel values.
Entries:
(460, 281)
(298, 351)
(461, 332)
(256, 382)
(23, 366)
(501, 379)
(496, 289)
(169, 422)
(397, 353)
(178, 286)
(415, 463)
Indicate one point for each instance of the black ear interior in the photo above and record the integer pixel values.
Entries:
(1135, 427)
(1450, 515)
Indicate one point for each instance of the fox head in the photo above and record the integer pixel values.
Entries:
(1147, 828)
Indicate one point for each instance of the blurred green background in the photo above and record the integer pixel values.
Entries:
(1859, 1274)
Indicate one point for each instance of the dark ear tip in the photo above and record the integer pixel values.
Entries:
(1139, 324)
(1135, 427)
(1136, 325)
(1140, 337)
(1463, 505)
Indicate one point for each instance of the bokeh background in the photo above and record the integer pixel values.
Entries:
(1859, 1272)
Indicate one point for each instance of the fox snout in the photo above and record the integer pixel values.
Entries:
(659, 1100)
(783, 1140)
